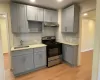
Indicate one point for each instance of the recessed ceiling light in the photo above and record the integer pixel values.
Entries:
(85, 14)
(59, 0)
(33, 1)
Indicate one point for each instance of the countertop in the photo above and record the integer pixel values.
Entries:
(72, 44)
(30, 47)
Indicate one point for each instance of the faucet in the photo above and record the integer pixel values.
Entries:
(21, 42)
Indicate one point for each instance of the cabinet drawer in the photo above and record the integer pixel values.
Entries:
(22, 52)
(41, 49)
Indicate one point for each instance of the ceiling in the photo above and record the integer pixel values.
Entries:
(49, 3)
(91, 15)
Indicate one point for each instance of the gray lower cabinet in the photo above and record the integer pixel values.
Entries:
(40, 57)
(28, 60)
(70, 54)
(70, 19)
(22, 61)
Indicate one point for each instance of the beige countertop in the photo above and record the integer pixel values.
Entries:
(72, 44)
(30, 46)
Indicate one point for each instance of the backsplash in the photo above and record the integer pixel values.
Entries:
(35, 38)
(68, 38)
(71, 38)
(28, 39)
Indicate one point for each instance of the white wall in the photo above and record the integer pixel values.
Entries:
(5, 8)
(88, 29)
(1, 61)
(4, 33)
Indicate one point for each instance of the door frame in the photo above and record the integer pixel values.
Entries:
(8, 36)
(2, 71)
(96, 54)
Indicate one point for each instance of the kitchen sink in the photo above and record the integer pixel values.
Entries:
(21, 47)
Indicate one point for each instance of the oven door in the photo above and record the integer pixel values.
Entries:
(53, 51)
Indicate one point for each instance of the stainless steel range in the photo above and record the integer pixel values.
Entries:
(54, 50)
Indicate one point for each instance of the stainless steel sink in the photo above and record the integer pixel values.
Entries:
(21, 47)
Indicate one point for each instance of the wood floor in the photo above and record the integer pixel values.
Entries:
(59, 72)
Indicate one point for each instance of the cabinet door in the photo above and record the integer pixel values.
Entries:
(50, 15)
(47, 15)
(32, 13)
(68, 19)
(22, 61)
(40, 14)
(54, 15)
(63, 21)
(29, 64)
(23, 23)
(18, 64)
(40, 59)
(14, 18)
(64, 52)
(68, 53)
(43, 58)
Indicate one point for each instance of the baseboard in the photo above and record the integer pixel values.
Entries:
(87, 50)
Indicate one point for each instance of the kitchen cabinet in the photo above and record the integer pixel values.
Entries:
(40, 57)
(70, 19)
(22, 61)
(35, 26)
(23, 23)
(50, 15)
(19, 22)
(70, 54)
(28, 60)
(35, 13)
(14, 18)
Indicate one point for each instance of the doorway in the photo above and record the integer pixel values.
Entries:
(5, 41)
(88, 21)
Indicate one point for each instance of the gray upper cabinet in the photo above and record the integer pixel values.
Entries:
(50, 15)
(23, 23)
(40, 57)
(18, 18)
(34, 13)
(40, 14)
(70, 54)
(70, 19)
(54, 16)
(22, 61)
(14, 18)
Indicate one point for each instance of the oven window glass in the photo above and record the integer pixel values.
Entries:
(53, 52)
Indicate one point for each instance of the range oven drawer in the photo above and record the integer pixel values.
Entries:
(54, 62)
(54, 58)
